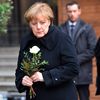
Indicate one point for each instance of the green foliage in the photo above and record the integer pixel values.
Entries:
(31, 65)
(5, 12)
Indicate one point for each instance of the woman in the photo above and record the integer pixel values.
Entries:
(97, 55)
(55, 81)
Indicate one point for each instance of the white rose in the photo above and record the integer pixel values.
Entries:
(34, 49)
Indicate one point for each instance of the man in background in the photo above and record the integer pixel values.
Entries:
(84, 39)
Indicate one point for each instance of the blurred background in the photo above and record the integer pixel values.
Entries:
(17, 27)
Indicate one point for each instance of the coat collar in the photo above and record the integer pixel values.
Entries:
(78, 30)
(48, 41)
(80, 27)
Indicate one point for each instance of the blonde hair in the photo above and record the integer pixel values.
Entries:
(39, 8)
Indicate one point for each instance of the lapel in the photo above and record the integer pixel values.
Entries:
(68, 29)
(79, 28)
(65, 28)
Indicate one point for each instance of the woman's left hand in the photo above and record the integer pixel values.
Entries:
(37, 76)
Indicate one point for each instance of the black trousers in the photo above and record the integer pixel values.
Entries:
(83, 92)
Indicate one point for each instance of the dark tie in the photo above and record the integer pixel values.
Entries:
(72, 30)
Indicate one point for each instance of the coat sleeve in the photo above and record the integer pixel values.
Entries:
(19, 74)
(69, 67)
(91, 40)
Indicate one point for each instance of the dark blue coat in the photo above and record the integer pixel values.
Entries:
(84, 40)
(97, 55)
(58, 50)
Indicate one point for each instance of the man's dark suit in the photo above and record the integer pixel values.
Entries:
(84, 40)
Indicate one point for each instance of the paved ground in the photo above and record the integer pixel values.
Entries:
(92, 87)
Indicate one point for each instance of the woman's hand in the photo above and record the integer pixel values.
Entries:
(37, 76)
(27, 81)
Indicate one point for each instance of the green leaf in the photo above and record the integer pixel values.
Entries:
(5, 12)
(30, 66)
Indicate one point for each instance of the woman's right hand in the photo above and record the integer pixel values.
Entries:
(27, 81)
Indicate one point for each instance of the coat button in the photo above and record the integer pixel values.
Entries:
(74, 81)
(56, 79)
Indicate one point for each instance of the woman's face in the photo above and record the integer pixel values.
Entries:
(40, 26)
